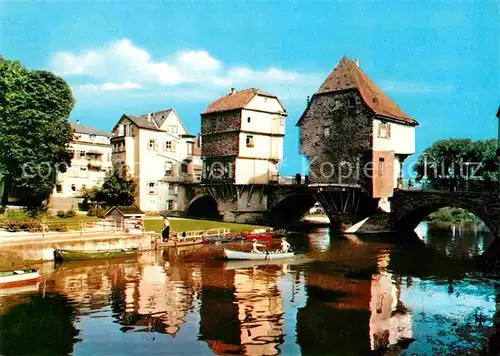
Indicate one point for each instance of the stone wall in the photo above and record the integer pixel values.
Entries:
(349, 143)
(223, 144)
(220, 122)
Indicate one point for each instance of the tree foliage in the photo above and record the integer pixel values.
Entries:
(34, 130)
(457, 157)
(117, 189)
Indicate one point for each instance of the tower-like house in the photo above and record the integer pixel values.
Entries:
(354, 134)
(242, 135)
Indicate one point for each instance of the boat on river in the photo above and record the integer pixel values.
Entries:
(240, 255)
(79, 255)
(20, 277)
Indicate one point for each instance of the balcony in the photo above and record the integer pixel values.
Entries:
(96, 163)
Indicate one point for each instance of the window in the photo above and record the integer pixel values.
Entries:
(282, 121)
(351, 102)
(172, 129)
(73, 187)
(82, 154)
(169, 170)
(184, 168)
(176, 189)
(83, 169)
(59, 188)
(326, 131)
(384, 130)
(169, 146)
(152, 145)
(92, 138)
(170, 205)
(71, 154)
(248, 119)
(151, 187)
(189, 148)
(249, 141)
(381, 166)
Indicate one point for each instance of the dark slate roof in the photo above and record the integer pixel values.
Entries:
(348, 75)
(88, 130)
(156, 119)
(237, 100)
(127, 210)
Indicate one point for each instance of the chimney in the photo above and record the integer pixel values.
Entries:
(198, 140)
(232, 91)
(308, 99)
(149, 117)
(78, 122)
(356, 61)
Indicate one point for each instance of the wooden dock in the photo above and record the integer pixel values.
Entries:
(190, 238)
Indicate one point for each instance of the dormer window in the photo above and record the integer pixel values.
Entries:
(92, 138)
(326, 131)
(351, 102)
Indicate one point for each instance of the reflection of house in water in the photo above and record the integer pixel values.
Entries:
(219, 324)
(260, 311)
(160, 299)
(390, 320)
(242, 311)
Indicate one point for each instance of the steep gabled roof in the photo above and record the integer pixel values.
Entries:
(237, 100)
(151, 122)
(88, 130)
(348, 75)
(127, 210)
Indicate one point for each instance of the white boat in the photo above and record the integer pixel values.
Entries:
(17, 278)
(240, 255)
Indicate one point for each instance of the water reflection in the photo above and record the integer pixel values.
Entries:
(346, 296)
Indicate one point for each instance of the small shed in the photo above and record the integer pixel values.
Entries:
(128, 217)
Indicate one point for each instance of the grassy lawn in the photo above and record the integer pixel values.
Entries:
(180, 225)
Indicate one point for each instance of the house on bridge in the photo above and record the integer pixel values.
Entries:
(242, 135)
(354, 134)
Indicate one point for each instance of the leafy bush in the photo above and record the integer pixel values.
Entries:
(66, 214)
(98, 212)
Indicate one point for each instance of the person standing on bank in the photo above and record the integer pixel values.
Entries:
(165, 234)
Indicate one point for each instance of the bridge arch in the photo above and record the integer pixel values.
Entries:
(289, 208)
(204, 206)
(409, 208)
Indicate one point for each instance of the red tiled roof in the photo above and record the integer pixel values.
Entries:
(235, 101)
(348, 75)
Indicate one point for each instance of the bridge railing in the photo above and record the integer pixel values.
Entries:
(452, 185)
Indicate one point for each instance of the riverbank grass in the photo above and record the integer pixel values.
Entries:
(182, 224)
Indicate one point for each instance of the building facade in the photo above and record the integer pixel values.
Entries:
(242, 135)
(353, 133)
(90, 153)
(161, 155)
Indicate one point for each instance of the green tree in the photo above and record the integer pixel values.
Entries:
(34, 130)
(117, 189)
(460, 158)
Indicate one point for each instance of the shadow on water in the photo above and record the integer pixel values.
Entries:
(42, 326)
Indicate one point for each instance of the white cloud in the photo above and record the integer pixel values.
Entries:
(199, 60)
(109, 86)
(402, 87)
(103, 69)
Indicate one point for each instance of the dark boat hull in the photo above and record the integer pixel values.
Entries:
(79, 255)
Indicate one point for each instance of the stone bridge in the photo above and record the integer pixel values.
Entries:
(410, 207)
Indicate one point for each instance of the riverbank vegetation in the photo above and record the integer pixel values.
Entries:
(452, 215)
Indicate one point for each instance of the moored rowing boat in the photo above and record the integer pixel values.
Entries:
(240, 255)
(79, 255)
(17, 278)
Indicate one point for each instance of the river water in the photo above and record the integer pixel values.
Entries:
(340, 296)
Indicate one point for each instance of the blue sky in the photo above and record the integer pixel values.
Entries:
(439, 62)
